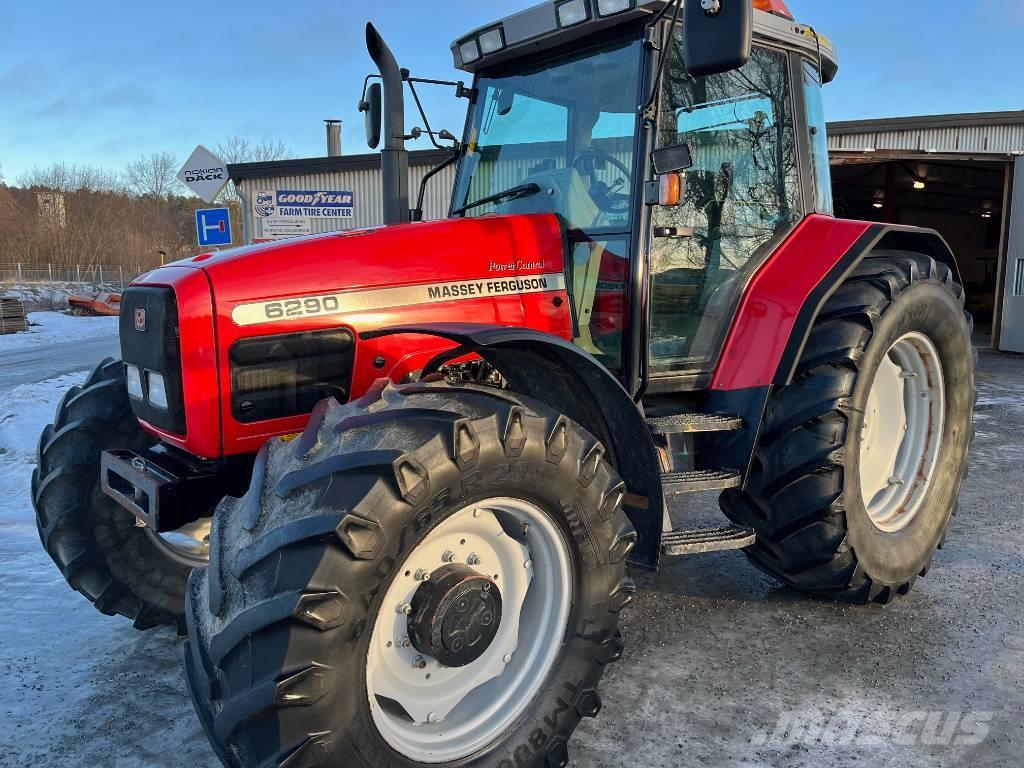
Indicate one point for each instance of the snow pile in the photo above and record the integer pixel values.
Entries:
(52, 327)
(55, 294)
(23, 414)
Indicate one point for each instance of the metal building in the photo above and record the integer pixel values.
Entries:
(962, 175)
(285, 198)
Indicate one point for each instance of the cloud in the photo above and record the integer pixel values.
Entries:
(79, 104)
(26, 77)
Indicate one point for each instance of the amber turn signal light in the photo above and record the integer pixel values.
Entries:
(778, 7)
(670, 189)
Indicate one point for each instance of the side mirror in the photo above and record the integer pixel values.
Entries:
(371, 105)
(672, 159)
(717, 35)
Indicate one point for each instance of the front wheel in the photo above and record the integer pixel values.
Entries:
(120, 568)
(430, 576)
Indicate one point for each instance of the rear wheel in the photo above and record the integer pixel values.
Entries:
(120, 568)
(430, 576)
(862, 456)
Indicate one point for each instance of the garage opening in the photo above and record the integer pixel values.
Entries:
(961, 199)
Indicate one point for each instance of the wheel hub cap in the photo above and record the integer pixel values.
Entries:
(455, 615)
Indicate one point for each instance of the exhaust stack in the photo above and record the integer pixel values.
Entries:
(333, 138)
(394, 156)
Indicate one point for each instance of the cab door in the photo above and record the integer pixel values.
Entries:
(744, 195)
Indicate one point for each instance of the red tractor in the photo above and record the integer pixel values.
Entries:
(410, 465)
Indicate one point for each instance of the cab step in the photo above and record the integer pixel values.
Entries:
(702, 540)
(690, 423)
(700, 480)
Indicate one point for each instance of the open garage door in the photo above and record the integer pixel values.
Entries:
(965, 200)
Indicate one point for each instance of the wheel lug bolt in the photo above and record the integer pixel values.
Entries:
(508, 658)
(473, 559)
(419, 662)
(448, 556)
(433, 717)
(528, 564)
(405, 608)
(422, 575)
(403, 642)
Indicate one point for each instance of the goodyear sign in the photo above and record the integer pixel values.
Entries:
(297, 204)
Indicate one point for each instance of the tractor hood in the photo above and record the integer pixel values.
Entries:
(268, 331)
(432, 262)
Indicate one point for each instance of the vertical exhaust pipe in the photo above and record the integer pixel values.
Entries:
(394, 156)
(333, 138)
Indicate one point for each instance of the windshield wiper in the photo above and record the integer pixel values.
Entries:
(524, 190)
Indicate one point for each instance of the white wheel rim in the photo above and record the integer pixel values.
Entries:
(457, 711)
(902, 432)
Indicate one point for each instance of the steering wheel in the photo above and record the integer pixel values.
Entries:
(605, 196)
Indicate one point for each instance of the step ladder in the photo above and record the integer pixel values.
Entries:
(675, 482)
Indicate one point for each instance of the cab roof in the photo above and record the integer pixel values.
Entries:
(537, 30)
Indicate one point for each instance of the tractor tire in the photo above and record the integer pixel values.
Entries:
(121, 569)
(292, 625)
(825, 523)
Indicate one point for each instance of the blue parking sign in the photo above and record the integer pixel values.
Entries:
(213, 227)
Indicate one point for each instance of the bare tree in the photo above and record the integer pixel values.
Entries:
(236, 149)
(152, 175)
(61, 177)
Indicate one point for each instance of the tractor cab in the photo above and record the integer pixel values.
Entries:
(572, 105)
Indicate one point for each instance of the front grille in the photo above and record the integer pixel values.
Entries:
(150, 340)
(274, 377)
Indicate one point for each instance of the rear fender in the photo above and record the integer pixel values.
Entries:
(779, 310)
(563, 376)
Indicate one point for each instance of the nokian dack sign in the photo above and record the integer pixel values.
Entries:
(315, 204)
(205, 174)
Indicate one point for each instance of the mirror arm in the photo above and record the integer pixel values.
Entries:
(417, 212)
(647, 108)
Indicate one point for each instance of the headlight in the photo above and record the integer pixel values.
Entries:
(469, 51)
(157, 390)
(572, 13)
(492, 41)
(134, 381)
(611, 7)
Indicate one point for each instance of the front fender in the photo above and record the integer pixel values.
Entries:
(565, 377)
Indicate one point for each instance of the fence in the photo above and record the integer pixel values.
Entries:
(95, 275)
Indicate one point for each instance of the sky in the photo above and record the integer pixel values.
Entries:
(101, 82)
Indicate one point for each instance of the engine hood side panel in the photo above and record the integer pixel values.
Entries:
(499, 270)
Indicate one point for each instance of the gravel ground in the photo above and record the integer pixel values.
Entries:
(722, 667)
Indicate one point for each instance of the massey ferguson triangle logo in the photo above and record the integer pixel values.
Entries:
(140, 320)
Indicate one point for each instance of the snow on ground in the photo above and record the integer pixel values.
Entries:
(24, 413)
(55, 293)
(51, 327)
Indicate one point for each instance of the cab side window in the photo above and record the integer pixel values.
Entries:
(819, 140)
(742, 197)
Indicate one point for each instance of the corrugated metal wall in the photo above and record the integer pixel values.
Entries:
(976, 139)
(366, 188)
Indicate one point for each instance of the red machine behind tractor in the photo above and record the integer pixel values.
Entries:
(410, 465)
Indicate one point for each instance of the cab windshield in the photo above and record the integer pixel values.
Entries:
(557, 137)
